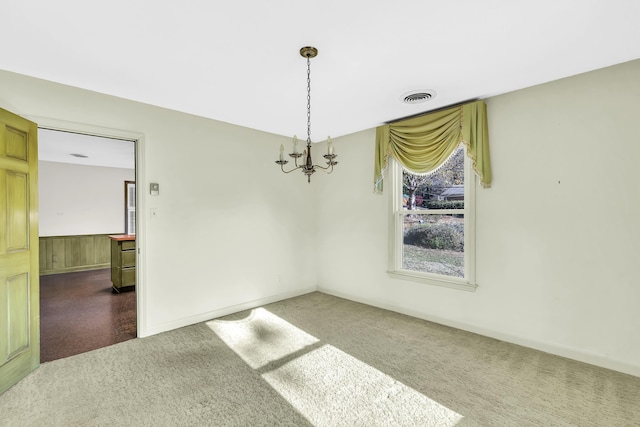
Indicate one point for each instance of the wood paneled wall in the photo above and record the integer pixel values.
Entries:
(63, 254)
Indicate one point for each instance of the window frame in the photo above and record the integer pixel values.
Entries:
(397, 213)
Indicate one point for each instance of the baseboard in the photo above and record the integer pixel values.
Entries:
(202, 317)
(75, 269)
(558, 350)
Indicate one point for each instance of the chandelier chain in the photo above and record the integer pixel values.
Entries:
(308, 99)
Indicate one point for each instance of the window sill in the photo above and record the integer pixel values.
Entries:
(431, 280)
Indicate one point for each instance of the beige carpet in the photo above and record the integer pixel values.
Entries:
(320, 360)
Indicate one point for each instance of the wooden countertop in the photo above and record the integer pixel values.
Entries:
(122, 237)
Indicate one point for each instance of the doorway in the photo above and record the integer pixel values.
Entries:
(84, 197)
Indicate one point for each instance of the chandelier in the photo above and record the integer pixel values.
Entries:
(307, 167)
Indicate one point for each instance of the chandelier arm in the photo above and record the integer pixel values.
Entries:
(325, 168)
(294, 169)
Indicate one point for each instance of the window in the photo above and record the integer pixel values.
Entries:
(432, 228)
(130, 207)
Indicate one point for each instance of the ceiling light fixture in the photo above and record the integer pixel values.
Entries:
(307, 167)
(81, 156)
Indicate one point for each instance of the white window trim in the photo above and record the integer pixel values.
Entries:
(396, 212)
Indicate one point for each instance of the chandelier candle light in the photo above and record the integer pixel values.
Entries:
(307, 166)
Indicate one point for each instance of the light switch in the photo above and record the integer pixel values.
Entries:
(154, 188)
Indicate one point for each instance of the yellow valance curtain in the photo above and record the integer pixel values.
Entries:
(421, 144)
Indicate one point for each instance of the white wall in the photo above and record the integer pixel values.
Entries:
(78, 199)
(231, 230)
(558, 235)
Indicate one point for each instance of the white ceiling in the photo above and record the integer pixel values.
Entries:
(57, 146)
(238, 61)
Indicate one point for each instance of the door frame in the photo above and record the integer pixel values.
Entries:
(141, 198)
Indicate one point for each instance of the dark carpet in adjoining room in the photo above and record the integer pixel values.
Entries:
(79, 313)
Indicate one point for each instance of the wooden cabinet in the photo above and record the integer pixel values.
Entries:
(123, 261)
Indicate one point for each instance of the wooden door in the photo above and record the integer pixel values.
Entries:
(19, 275)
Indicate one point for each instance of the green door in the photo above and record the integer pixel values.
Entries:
(19, 275)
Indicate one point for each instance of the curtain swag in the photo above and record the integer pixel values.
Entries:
(422, 144)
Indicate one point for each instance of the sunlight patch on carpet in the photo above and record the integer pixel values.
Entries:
(330, 387)
(324, 384)
(262, 337)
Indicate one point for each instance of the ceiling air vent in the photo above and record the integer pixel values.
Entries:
(418, 96)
